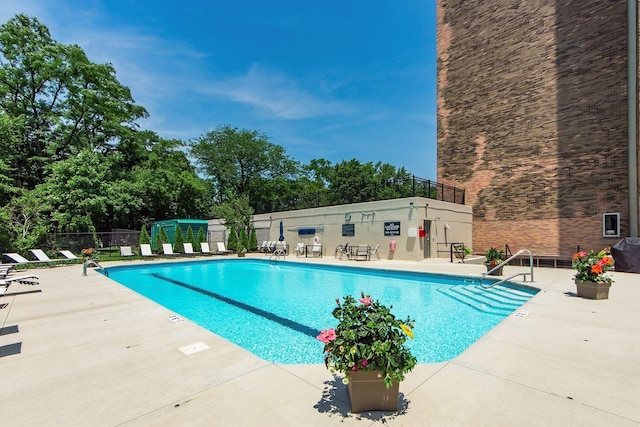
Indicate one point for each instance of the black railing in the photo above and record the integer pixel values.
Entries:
(387, 190)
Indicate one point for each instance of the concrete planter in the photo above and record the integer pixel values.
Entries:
(498, 272)
(593, 290)
(367, 392)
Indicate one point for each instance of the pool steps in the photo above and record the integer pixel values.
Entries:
(495, 300)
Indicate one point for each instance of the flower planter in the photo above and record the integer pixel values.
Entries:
(369, 393)
(593, 290)
(497, 272)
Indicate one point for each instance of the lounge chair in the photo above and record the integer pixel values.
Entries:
(28, 279)
(374, 251)
(69, 255)
(126, 251)
(222, 250)
(17, 258)
(299, 249)
(167, 249)
(41, 256)
(204, 248)
(145, 250)
(188, 249)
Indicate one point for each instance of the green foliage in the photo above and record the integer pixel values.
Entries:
(144, 236)
(191, 238)
(235, 212)
(243, 240)
(592, 266)
(161, 238)
(201, 238)
(253, 240)
(238, 161)
(178, 240)
(494, 256)
(232, 240)
(368, 337)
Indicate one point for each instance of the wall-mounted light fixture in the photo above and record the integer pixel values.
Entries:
(410, 205)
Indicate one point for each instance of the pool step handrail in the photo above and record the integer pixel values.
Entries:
(506, 261)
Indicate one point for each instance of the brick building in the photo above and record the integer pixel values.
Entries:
(537, 120)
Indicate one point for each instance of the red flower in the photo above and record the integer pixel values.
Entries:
(596, 268)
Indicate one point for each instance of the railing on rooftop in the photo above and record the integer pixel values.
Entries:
(387, 190)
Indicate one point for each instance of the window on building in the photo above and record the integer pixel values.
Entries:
(611, 225)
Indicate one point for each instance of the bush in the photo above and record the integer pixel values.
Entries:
(253, 240)
(243, 243)
(192, 239)
(178, 240)
(232, 241)
(144, 237)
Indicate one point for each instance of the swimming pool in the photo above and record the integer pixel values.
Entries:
(276, 309)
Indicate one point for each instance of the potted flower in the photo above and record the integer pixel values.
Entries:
(368, 349)
(590, 278)
(492, 258)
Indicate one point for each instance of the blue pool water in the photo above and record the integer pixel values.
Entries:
(275, 310)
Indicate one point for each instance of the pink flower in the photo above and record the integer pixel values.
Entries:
(364, 363)
(327, 335)
(354, 368)
(365, 301)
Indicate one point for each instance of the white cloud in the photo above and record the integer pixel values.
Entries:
(275, 95)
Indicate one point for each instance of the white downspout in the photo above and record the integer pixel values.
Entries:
(632, 96)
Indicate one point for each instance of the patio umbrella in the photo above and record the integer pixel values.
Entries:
(281, 238)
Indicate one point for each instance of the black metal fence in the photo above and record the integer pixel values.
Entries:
(387, 190)
(104, 242)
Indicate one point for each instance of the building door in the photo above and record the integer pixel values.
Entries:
(427, 239)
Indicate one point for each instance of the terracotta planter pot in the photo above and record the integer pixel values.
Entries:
(498, 272)
(593, 290)
(369, 393)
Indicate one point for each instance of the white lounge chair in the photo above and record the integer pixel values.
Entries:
(167, 249)
(17, 258)
(145, 250)
(221, 249)
(188, 249)
(69, 255)
(41, 256)
(126, 251)
(29, 279)
(204, 248)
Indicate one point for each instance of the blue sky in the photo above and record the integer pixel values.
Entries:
(333, 79)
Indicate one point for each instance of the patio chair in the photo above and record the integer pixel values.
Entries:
(362, 253)
(222, 250)
(188, 249)
(42, 257)
(204, 248)
(374, 251)
(341, 250)
(316, 250)
(28, 279)
(299, 249)
(69, 255)
(167, 249)
(145, 250)
(126, 251)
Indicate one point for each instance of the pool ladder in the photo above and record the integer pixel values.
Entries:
(524, 275)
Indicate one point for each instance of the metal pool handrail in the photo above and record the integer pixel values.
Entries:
(524, 275)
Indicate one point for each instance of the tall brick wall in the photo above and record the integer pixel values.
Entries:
(532, 119)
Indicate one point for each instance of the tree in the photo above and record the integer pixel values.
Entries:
(243, 241)
(253, 240)
(235, 212)
(234, 160)
(161, 238)
(178, 240)
(144, 236)
(59, 101)
(232, 240)
(192, 239)
(202, 237)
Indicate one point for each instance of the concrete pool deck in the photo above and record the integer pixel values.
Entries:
(86, 351)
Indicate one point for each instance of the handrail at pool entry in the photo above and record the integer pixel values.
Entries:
(506, 261)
